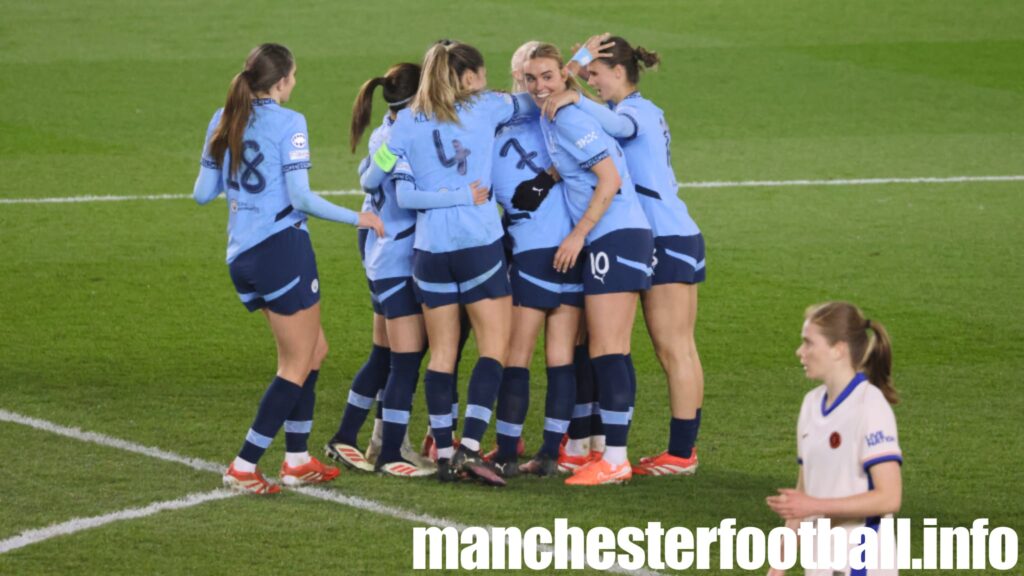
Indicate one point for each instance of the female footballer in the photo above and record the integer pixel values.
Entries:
(537, 221)
(847, 445)
(399, 337)
(608, 220)
(670, 306)
(257, 152)
(442, 148)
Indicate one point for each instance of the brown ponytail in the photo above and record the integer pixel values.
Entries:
(400, 84)
(361, 110)
(630, 58)
(868, 341)
(265, 66)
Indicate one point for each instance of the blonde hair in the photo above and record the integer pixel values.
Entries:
(440, 84)
(519, 59)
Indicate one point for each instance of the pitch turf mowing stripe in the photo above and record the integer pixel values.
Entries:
(35, 536)
(79, 524)
(711, 184)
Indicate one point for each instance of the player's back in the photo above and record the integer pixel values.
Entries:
(649, 157)
(275, 142)
(519, 155)
(444, 156)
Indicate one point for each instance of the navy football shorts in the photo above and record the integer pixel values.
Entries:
(619, 261)
(536, 283)
(279, 273)
(679, 259)
(394, 297)
(461, 276)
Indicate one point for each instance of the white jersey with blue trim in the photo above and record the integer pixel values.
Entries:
(576, 142)
(390, 256)
(519, 155)
(839, 441)
(649, 156)
(444, 156)
(275, 141)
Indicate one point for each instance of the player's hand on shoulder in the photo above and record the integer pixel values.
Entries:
(372, 221)
(555, 103)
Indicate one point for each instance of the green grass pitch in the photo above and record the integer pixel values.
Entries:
(120, 318)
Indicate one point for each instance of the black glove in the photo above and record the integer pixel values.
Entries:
(530, 193)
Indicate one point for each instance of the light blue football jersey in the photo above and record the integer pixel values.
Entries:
(275, 142)
(649, 157)
(444, 156)
(520, 154)
(391, 256)
(576, 142)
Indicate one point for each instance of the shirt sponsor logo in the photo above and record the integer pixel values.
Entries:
(298, 155)
(299, 140)
(878, 437)
(582, 142)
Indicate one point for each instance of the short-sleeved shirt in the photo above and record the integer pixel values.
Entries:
(839, 441)
(649, 157)
(442, 156)
(576, 143)
(391, 256)
(275, 142)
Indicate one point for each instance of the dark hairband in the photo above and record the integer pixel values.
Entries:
(867, 323)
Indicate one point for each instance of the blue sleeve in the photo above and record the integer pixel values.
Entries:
(209, 183)
(614, 123)
(506, 108)
(304, 200)
(411, 198)
(581, 137)
(372, 177)
(294, 147)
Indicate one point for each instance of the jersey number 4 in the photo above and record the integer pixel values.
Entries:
(458, 159)
(250, 178)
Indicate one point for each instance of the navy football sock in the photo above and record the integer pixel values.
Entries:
(299, 423)
(480, 397)
(277, 403)
(558, 407)
(612, 374)
(370, 379)
(438, 387)
(513, 403)
(405, 370)
(579, 427)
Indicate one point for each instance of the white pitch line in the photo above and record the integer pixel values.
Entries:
(104, 440)
(850, 182)
(35, 536)
(711, 184)
(78, 524)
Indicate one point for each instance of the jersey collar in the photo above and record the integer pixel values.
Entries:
(263, 101)
(633, 94)
(857, 379)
